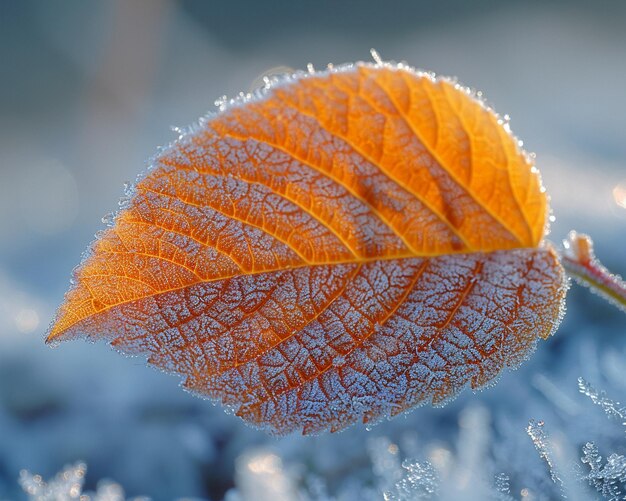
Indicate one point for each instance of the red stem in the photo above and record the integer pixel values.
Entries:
(579, 260)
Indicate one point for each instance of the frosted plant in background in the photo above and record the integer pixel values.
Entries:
(502, 487)
(420, 482)
(467, 470)
(541, 441)
(608, 479)
(560, 460)
(406, 469)
(260, 476)
(386, 463)
(466, 475)
(401, 480)
(611, 408)
(68, 485)
(463, 472)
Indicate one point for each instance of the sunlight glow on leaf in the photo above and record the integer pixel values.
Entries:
(336, 247)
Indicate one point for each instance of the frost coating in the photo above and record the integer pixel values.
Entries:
(387, 159)
(338, 247)
(409, 331)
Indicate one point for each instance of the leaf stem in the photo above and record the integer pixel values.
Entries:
(581, 263)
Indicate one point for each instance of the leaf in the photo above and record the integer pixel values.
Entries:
(340, 246)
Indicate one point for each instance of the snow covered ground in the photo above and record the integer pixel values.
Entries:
(89, 90)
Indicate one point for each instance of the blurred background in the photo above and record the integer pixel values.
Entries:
(89, 90)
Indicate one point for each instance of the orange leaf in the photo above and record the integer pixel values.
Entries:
(340, 247)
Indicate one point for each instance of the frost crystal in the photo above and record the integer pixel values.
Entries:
(611, 408)
(68, 485)
(261, 476)
(502, 487)
(610, 479)
(541, 441)
(419, 482)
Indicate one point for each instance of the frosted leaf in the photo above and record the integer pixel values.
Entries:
(329, 249)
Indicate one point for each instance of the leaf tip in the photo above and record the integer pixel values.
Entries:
(53, 334)
(58, 330)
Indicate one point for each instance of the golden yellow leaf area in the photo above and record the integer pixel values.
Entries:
(341, 247)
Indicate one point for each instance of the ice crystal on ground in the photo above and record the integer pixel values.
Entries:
(502, 487)
(611, 408)
(68, 485)
(420, 482)
(608, 479)
(260, 476)
(542, 443)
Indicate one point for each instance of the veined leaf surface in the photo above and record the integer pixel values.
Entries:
(341, 246)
